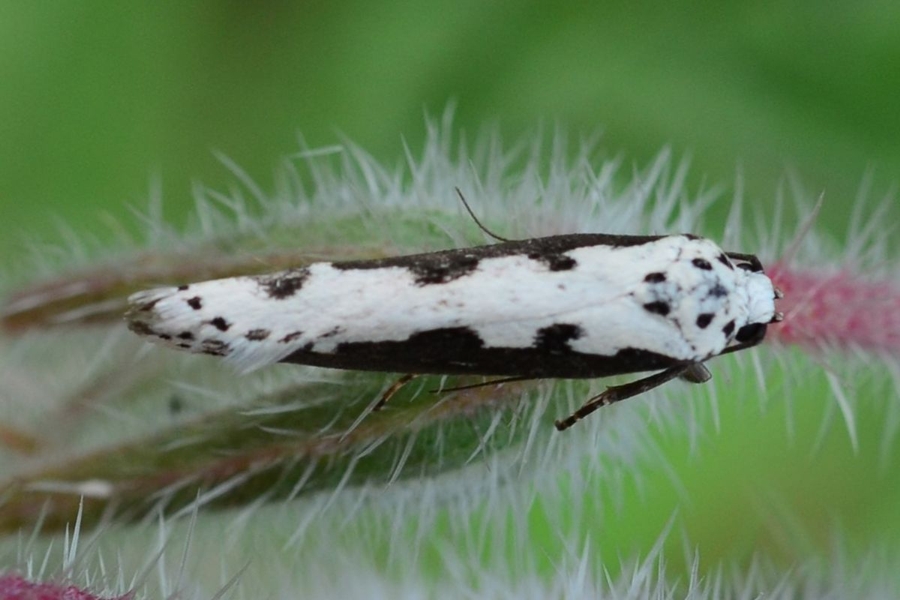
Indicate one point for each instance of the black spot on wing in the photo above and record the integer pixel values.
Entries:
(702, 264)
(337, 329)
(655, 278)
(141, 328)
(450, 267)
(555, 338)
(214, 348)
(165, 336)
(427, 269)
(186, 335)
(220, 324)
(257, 335)
(704, 320)
(290, 337)
(728, 329)
(555, 262)
(183, 288)
(196, 303)
(658, 307)
(282, 285)
(718, 291)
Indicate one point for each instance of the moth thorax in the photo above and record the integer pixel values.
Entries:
(760, 298)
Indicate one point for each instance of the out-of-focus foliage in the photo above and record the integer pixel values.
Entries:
(100, 100)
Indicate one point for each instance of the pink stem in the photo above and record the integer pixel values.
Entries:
(14, 587)
(838, 310)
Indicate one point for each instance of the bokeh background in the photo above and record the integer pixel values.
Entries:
(100, 100)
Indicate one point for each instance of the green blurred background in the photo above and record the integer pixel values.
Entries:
(98, 98)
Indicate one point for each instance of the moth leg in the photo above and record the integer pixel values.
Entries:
(392, 391)
(401, 381)
(696, 373)
(472, 386)
(742, 346)
(617, 393)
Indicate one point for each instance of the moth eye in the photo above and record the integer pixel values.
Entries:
(746, 266)
(753, 332)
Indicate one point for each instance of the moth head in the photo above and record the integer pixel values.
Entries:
(761, 294)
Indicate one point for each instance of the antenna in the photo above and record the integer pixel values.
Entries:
(479, 223)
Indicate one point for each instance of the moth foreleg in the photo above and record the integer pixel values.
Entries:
(617, 393)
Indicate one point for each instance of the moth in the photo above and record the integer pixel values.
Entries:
(565, 306)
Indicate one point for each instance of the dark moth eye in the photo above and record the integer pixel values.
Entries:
(754, 332)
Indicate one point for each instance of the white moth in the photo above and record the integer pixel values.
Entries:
(568, 306)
